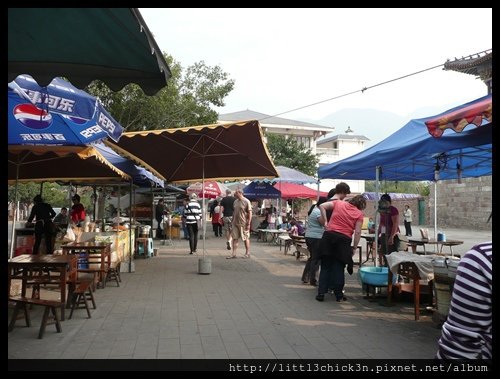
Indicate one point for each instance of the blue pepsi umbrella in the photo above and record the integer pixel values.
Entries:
(32, 125)
(60, 96)
(140, 176)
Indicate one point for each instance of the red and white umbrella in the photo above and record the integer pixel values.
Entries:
(212, 189)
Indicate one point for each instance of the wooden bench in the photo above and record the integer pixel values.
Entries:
(81, 295)
(23, 302)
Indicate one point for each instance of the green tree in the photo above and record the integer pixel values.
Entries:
(421, 188)
(54, 194)
(186, 101)
(25, 192)
(289, 153)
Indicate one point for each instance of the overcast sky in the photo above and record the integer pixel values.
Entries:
(283, 59)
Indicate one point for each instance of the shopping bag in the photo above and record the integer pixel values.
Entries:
(70, 234)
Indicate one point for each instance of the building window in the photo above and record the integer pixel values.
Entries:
(306, 141)
(335, 145)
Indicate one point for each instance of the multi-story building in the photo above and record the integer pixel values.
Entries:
(304, 132)
(337, 147)
(330, 149)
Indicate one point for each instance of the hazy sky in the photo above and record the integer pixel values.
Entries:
(283, 59)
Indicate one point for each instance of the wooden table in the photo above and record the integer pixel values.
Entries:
(26, 265)
(274, 234)
(370, 240)
(100, 251)
(414, 242)
(414, 267)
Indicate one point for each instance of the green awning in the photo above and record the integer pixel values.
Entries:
(82, 44)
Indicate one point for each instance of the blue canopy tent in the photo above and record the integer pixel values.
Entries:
(60, 96)
(261, 190)
(411, 153)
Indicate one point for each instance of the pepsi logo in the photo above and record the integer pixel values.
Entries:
(32, 117)
(76, 120)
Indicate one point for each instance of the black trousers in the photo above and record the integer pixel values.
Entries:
(193, 236)
(44, 229)
(408, 228)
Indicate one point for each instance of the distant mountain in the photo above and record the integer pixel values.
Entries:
(372, 123)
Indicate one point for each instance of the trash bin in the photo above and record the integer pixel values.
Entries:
(442, 286)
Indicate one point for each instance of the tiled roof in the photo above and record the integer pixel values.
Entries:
(342, 136)
(266, 119)
(471, 65)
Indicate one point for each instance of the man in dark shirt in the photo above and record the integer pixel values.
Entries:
(227, 209)
(43, 213)
(159, 212)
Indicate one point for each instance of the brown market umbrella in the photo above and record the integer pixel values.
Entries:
(64, 163)
(52, 163)
(228, 151)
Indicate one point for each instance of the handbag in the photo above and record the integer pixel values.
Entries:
(70, 234)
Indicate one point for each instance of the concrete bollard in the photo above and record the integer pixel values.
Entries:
(204, 266)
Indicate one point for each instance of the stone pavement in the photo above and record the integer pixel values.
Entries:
(246, 308)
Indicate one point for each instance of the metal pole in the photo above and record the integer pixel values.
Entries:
(377, 216)
(435, 210)
(94, 202)
(14, 216)
(130, 229)
(203, 200)
(164, 231)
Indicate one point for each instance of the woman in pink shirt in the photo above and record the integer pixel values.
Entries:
(335, 246)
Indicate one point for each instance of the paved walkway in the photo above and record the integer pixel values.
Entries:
(246, 308)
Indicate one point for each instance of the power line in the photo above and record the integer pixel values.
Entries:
(362, 90)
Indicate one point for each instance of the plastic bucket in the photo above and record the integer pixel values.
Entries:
(83, 262)
(375, 276)
(144, 231)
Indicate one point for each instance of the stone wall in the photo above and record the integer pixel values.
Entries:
(371, 207)
(462, 205)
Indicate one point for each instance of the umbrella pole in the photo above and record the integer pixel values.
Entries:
(131, 189)
(203, 201)
(204, 264)
(14, 215)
